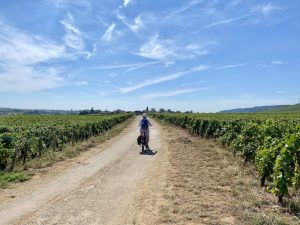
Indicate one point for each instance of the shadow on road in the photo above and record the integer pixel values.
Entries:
(148, 152)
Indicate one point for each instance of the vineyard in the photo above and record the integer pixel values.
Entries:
(24, 137)
(270, 141)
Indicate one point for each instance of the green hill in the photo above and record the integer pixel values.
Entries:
(287, 108)
(276, 108)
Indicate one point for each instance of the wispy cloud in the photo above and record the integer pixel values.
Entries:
(125, 66)
(193, 83)
(127, 2)
(278, 62)
(136, 26)
(182, 9)
(169, 63)
(170, 94)
(21, 78)
(81, 83)
(161, 79)
(231, 66)
(18, 47)
(108, 36)
(19, 54)
(168, 49)
(197, 49)
(156, 49)
(266, 9)
(140, 65)
(70, 3)
(73, 37)
(227, 21)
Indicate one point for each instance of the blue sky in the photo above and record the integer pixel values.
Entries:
(204, 55)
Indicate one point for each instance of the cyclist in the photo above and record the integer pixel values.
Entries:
(144, 124)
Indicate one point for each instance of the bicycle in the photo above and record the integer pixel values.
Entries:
(142, 142)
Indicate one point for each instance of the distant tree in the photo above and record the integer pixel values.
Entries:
(92, 111)
(169, 111)
(147, 109)
(84, 112)
(106, 111)
(189, 111)
(153, 110)
(161, 110)
(118, 111)
(138, 112)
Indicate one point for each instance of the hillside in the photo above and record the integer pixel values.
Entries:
(35, 111)
(274, 108)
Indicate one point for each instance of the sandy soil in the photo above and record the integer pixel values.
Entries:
(96, 189)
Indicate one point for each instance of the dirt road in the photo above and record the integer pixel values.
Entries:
(98, 190)
(189, 180)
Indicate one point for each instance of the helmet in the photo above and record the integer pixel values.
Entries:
(144, 115)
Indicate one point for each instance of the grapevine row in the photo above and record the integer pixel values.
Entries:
(272, 143)
(29, 137)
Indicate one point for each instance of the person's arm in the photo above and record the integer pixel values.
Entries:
(140, 123)
(149, 123)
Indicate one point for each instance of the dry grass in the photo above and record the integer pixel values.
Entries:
(207, 185)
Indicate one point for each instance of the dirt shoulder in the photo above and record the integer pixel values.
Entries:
(201, 183)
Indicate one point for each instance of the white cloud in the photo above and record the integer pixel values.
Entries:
(156, 49)
(182, 9)
(231, 66)
(108, 36)
(193, 83)
(81, 83)
(127, 2)
(19, 54)
(90, 54)
(20, 78)
(278, 62)
(266, 9)
(169, 63)
(71, 3)
(139, 66)
(169, 94)
(19, 47)
(136, 26)
(73, 37)
(161, 79)
(196, 49)
(227, 21)
(125, 66)
(168, 49)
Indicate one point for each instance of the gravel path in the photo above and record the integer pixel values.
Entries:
(99, 190)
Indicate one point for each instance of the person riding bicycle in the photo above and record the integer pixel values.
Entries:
(144, 124)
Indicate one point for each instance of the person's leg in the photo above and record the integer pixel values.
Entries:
(143, 139)
(147, 138)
